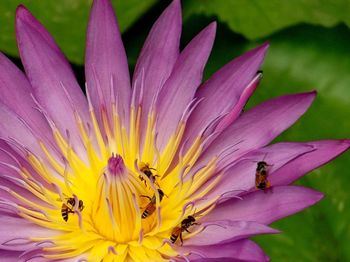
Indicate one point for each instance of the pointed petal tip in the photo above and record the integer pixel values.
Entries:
(260, 49)
(346, 142)
(311, 196)
(274, 231)
(174, 7)
(213, 25)
(309, 95)
(313, 92)
(176, 4)
(210, 29)
(319, 196)
(101, 2)
(22, 13)
(264, 46)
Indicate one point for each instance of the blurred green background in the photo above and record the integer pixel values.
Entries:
(310, 49)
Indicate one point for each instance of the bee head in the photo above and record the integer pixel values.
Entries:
(261, 165)
(191, 219)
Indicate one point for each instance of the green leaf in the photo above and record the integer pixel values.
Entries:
(259, 18)
(66, 20)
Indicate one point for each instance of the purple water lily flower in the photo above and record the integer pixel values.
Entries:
(160, 168)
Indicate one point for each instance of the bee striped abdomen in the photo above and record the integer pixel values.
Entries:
(175, 234)
(173, 238)
(65, 210)
(145, 214)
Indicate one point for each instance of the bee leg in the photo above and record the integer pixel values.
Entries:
(268, 187)
(181, 240)
(187, 230)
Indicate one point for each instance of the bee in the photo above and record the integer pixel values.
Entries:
(68, 207)
(261, 175)
(185, 224)
(151, 207)
(147, 170)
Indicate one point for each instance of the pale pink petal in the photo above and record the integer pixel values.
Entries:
(16, 94)
(257, 127)
(241, 175)
(324, 152)
(106, 66)
(15, 233)
(157, 57)
(9, 256)
(17, 133)
(244, 250)
(266, 207)
(51, 77)
(178, 91)
(224, 89)
(225, 231)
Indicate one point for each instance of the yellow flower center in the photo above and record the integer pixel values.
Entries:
(122, 201)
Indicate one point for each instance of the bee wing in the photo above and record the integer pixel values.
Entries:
(176, 231)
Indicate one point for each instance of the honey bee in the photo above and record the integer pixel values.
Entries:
(68, 207)
(261, 175)
(185, 224)
(147, 170)
(151, 207)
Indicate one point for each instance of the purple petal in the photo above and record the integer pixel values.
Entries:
(241, 175)
(224, 231)
(7, 185)
(244, 250)
(239, 106)
(257, 127)
(12, 129)
(15, 94)
(50, 75)
(11, 162)
(106, 66)
(279, 202)
(9, 256)
(324, 152)
(179, 89)
(224, 259)
(15, 233)
(224, 90)
(157, 57)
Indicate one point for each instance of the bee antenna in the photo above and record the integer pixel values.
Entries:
(194, 213)
(264, 156)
